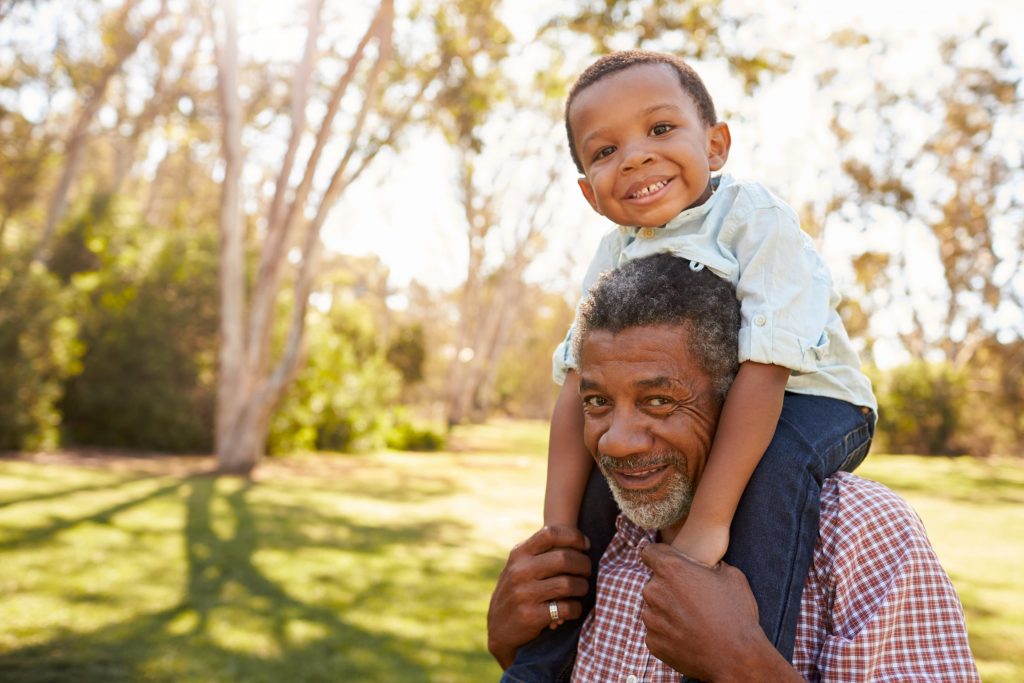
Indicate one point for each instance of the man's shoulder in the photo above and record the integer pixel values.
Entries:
(864, 518)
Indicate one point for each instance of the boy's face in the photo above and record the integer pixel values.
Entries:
(646, 153)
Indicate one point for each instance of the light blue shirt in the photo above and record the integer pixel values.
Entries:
(788, 306)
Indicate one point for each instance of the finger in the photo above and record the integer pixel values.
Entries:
(567, 610)
(563, 586)
(562, 561)
(656, 555)
(555, 536)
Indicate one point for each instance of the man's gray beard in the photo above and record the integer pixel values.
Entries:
(673, 505)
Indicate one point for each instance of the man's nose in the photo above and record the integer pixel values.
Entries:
(626, 435)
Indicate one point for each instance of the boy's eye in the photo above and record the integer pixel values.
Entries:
(595, 401)
(660, 128)
(603, 152)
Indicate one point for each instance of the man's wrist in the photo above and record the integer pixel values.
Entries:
(503, 654)
(755, 660)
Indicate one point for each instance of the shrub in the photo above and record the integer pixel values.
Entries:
(921, 408)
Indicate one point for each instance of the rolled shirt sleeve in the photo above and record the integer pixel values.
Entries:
(784, 288)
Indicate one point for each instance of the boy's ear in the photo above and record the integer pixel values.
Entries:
(588, 193)
(719, 142)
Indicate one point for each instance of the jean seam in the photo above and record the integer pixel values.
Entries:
(784, 613)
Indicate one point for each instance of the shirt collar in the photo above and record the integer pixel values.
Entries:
(688, 216)
(634, 535)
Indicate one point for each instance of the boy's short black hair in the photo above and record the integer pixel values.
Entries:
(689, 80)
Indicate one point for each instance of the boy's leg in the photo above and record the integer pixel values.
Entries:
(548, 658)
(776, 524)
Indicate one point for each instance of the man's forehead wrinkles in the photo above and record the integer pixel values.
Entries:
(660, 382)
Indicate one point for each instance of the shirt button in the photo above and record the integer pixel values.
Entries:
(760, 320)
(631, 678)
(647, 233)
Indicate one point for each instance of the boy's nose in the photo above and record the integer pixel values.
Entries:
(626, 435)
(635, 157)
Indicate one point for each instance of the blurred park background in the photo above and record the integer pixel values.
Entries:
(330, 245)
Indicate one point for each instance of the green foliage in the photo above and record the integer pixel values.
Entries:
(149, 328)
(995, 405)
(524, 387)
(38, 350)
(934, 408)
(341, 398)
(407, 352)
(920, 408)
(408, 435)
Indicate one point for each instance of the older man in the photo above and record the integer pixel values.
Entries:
(657, 348)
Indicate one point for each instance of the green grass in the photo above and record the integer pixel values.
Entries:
(368, 568)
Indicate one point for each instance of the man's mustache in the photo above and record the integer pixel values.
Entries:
(643, 461)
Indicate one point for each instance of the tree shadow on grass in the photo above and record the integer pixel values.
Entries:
(51, 495)
(234, 623)
(46, 533)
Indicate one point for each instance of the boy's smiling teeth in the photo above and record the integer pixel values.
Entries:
(649, 189)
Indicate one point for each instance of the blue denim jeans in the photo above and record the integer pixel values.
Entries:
(772, 536)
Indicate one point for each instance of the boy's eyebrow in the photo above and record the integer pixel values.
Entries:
(656, 107)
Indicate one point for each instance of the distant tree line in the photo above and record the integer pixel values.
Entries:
(163, 285)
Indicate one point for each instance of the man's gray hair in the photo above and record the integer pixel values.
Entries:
(664, 290)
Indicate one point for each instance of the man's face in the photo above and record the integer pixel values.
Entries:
(646, 153)
(650, 413)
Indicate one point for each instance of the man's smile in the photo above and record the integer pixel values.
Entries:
(637, 476)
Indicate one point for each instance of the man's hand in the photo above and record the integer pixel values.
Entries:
(550, 565)
(703, 622)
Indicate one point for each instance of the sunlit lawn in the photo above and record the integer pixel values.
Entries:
(362, 568)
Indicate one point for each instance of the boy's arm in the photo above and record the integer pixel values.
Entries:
(569, 462)
(745, 429)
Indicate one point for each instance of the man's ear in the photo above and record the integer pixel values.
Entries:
(719, 142)
(588, 192)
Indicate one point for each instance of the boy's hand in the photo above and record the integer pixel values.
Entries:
(703, 623)
(705, 545)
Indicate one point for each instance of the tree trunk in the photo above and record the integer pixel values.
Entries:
(250, 382)
(235, 441)
(79, 135)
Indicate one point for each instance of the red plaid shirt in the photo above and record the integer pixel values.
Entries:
(877, 606)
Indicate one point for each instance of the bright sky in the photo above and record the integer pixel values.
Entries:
(405, 210)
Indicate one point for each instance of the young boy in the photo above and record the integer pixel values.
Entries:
(643, 133)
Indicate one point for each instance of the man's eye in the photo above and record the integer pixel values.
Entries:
(603, 152)
(659, 401)
(660, 129)
(594, 401)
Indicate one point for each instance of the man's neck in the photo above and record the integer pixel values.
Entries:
(668, 534)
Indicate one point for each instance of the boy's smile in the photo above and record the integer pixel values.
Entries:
(646, 153)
